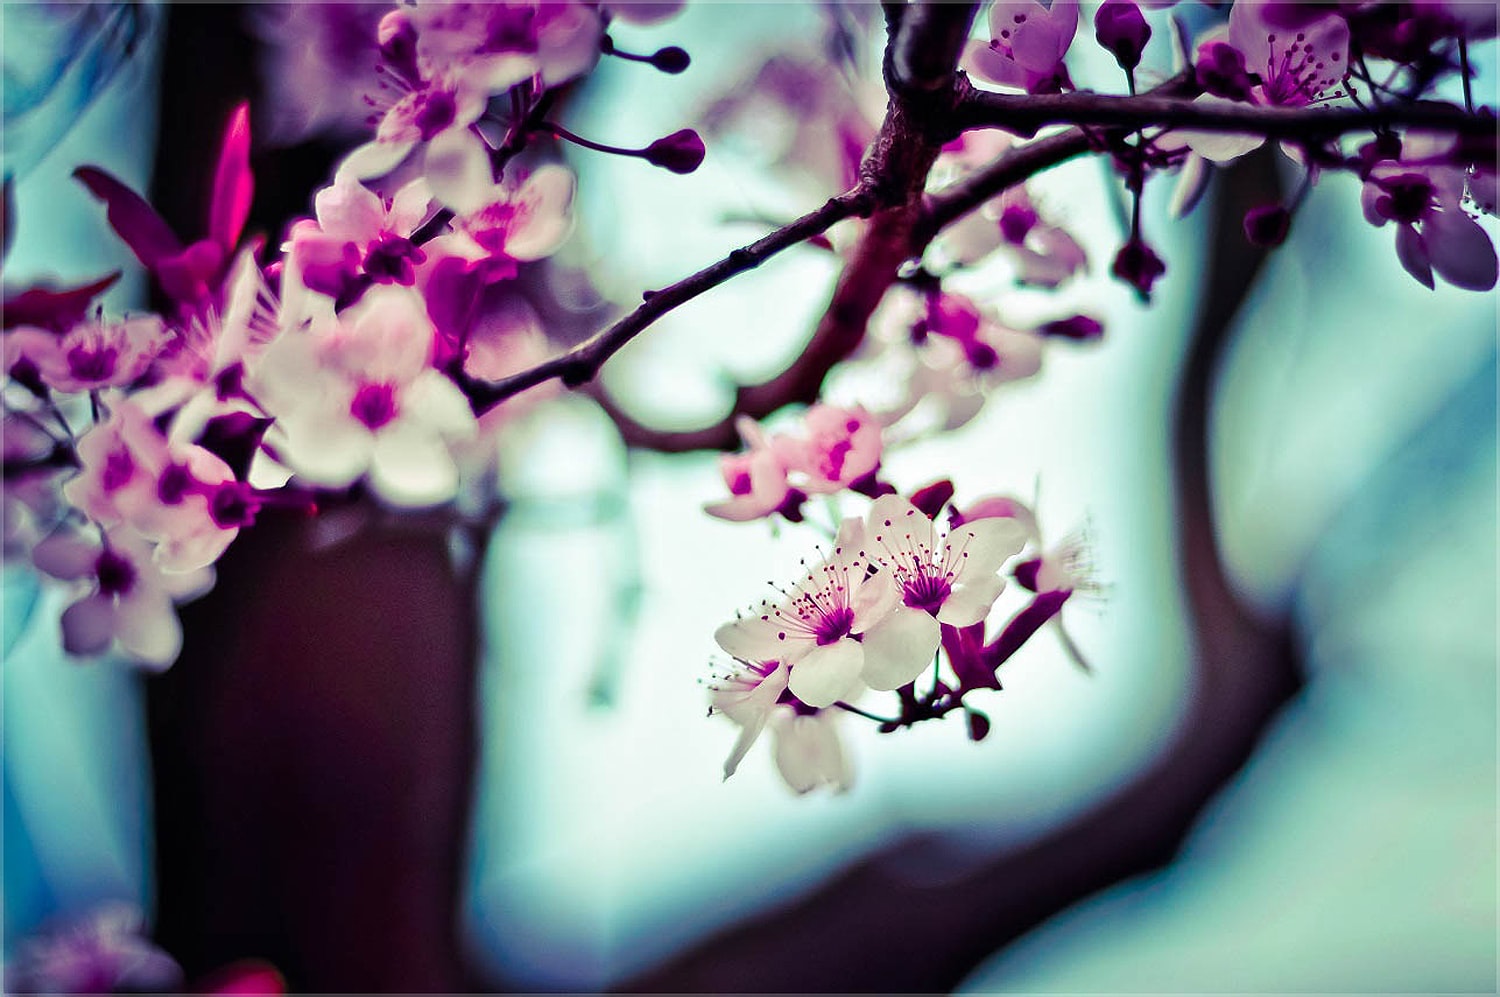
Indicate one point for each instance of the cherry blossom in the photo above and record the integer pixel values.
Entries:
(356, 395)
(953, 579)
(125, 598)
(1434, 234)
(747, 695)
(1027, 45)
(167, 492)
(813, 631)
(493, 46)
(357, 233)
(842, 446)
(105, 951)
(514, 223)
(89, 356)
(757, 478)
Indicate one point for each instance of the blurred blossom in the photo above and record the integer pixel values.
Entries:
(318, 65)
(103, 952)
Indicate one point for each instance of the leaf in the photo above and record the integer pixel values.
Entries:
(136, 221)
(234, 184)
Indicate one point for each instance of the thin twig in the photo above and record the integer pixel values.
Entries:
(582, 362)
(1024, 114)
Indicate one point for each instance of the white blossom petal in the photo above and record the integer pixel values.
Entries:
(410, 466)
(808, 753)
(148, 629)
(88, 626)
(754, 639)
(457, 166)
(970, 602)
(899, 648)
(828, 673)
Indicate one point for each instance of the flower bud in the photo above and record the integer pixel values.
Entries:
(671, 60)
(1080, 327)
(1120, 28)
(1138, 265)
(1266, 225)
(1221, 71)
(681, 152)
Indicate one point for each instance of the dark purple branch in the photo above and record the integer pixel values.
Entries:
(1024, 114)
(583, 361)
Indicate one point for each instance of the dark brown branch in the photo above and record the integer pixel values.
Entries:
(1024, 114)
(582, 362)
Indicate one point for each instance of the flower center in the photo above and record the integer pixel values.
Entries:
(116, 575)
(925, 591)
(390, 260)
(435, 112)
(374, 405)
(833, 625)
(92, 363)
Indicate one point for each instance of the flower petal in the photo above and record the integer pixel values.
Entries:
(899, 648)
(970, 602)
(1462, 253)
(88, 626)
(148, 629)
(984, 545)
(808, 753)
(458, 169)
(758, 638)
(410, 466)
(828, 674)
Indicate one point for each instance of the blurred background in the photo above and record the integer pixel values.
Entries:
(1351, 484)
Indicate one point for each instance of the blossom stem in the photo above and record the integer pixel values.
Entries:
(864, 713)
(1464, 73)
(563, 133)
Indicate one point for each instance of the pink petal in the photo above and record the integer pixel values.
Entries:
(1460, 249)
(88, 626)
(1411, 250)
(458, 168)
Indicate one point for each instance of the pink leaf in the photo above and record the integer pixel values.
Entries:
(234, 186)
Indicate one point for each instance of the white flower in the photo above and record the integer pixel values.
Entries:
(953, 580)
(747, 695)
(814, 630)
(357, 396)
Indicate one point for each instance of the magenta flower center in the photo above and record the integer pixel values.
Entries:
(833, 625)
(119, 468)
(116, 575)
(374, 405)
(925, 591)
(92, 363)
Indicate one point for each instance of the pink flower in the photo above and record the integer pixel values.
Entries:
(89, 356)
(814, 630)
(953, 579)
(356, 395)
(357, 233)
(513, 223)
(1300, 54)
(493, 46)
(842, 446)
(130, 475)
(1027, 44)
(126, 596)
(106, 951)
(1434, 234)
(757, 478)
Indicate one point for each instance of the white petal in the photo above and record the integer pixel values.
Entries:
(148, 629)
(982, 546)
(970, 602)
(899, 648)
(873, 600)
(349, 210)
(331, 452)
(374, 159)
(754, 639)
(410, 466)
(548, 194)
(893, 520)
(828, 674)
(88, 626)
(808, 753)
(457, 166)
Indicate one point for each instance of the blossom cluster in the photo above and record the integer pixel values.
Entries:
(376, 347)
(138, 447)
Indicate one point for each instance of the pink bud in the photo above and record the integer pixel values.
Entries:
(1120, 28)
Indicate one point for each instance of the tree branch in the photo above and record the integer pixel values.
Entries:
(582, 362)
(1024, 114)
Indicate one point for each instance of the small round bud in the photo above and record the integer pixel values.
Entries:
(1267, 225)
(1122, 29)
(671, 59)
(681, 152)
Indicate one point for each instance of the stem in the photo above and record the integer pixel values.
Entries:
(863, 713)
(563, 133)
(1463, 68)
